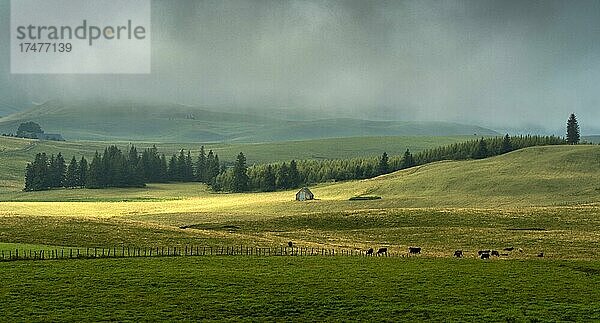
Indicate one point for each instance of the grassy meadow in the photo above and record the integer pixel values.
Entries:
(539, 199)
(300, 289)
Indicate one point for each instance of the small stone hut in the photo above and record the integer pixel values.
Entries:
(304, 194)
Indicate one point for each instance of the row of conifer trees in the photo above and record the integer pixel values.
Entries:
(115, 169)
(284, 175)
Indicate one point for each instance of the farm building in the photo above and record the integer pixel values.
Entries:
(304, 194)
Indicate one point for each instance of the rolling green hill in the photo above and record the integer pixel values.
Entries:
(178, 123)
(536, 176)
(550, 175)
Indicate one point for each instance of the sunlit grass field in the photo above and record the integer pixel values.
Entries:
(537, 200)
(542, 199)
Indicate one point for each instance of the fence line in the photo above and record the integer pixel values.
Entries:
(178, 251)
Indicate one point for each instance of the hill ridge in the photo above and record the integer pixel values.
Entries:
(180, 123)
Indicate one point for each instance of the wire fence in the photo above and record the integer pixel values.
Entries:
(181, 251)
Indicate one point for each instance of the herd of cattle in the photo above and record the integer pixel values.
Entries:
(483, 254)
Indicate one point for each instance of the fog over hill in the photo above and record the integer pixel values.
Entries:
(105, 120)
(518, 65)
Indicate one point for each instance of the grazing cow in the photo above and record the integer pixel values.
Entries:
(509, 249)
(485, 256)
(290, 244)
(414, 250)
(481, 252)
(541, 254)
(370, 251)
(382, 251)
(458, 254)
(495, 253)
(520, 250)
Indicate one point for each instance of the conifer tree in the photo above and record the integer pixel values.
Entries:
(213, 167)
(72, 175)
(189, 168)
(163, 169)
(172, 168)
(40, 179)
(133, 157)
(240, 176)
(201, 165)
(480, 150)
(268, 183)
(293, 175)
(282, 177)
(57, 170)
(506, 144)
(384, 166)
(82, 172)
(407, 160)
(29, 178)
(210, 161)
(94, 173)
(572, 130)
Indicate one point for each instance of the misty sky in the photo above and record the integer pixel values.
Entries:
(501, 64)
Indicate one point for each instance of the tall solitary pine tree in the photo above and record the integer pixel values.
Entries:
(572, 130)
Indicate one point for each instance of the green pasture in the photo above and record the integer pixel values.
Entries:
(299, 289)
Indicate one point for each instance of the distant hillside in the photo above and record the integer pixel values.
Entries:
(178, 123)
(550, 175)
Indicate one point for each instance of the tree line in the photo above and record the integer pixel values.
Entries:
(113, 168)
(295, 174)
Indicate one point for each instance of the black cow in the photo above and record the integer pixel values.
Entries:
(414, 250)
(541, 254)
(485, 256)
(290, 244)
(509, 249)
(481, 252)
(495, 253)
(382, 251)
(370, 251)
(458, 254)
